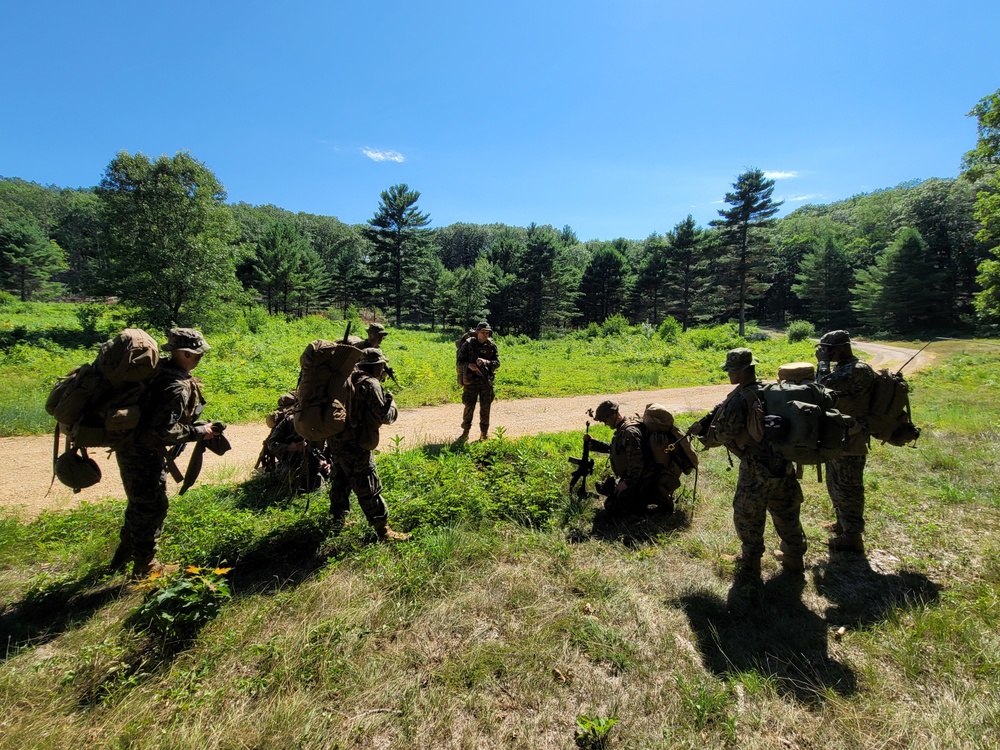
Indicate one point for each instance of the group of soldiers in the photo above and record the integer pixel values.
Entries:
(767, 482)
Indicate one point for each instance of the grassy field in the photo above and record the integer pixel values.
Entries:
(512, 620)
(246, 371)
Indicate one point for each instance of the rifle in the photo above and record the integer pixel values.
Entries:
(584, 467)
(347, 333)
(392, 375)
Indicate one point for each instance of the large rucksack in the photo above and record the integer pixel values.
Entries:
(801, 422)
(459, 367)
(665, 442)
(889, 417)
(97, 405)
(325, 389)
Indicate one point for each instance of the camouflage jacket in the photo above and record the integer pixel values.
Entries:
(371, 407)
(628, 458)
(733, 426)
(170, 407)
(852, 380)
(472, 350)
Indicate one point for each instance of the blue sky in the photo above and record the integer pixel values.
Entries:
(615, 118)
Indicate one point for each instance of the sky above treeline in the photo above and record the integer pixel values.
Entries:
(616, 119)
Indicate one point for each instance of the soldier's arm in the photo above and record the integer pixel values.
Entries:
(167, 424)
(632, 441)
(465, 354)
(381, 403)
(599, 446)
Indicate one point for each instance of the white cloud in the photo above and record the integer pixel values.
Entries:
(378, 155)
(809, 197)
(780, 175)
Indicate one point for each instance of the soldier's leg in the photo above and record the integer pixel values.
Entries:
(784, 504)
(340, 486)
(145, 483)
(750, 513)
(469, 395)
(368, 487)
(485, 404)
(845, 480)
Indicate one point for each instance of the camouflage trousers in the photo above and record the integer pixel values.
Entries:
(145, 480)
(353, 468)
(480, 390)
(655, 489)
(759, 492)
(845, 481)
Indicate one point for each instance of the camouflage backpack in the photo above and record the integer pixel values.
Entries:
(97, 405)
(324, 388)
(665, 441)
(889, 418)
(459, 343)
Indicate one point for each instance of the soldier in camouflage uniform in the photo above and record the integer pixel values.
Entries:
(169, 409)
(376, 333)
(766, 482)
(641, 480)
(353, 464)
(479, 360)
(852, 380)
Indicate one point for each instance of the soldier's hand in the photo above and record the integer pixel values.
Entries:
(209, 432)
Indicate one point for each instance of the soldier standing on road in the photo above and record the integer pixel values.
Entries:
(479, 361)
(852, 380)
(169, 409)
(353, 463)
(641, 480)
(766, 482)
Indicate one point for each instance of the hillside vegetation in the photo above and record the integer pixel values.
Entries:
(512, 620)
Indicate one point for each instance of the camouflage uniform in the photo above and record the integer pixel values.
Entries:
(288, 463)
(477, 385)
(647, 482)
(376, 332)
(353, 467)
(766, 482)
(852, 380)
(169, 409)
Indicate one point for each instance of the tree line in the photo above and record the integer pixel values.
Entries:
(159, 236)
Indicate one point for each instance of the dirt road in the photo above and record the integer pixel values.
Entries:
(27, 461)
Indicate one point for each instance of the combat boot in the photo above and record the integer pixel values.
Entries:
(847, 542)
(790, 562)
(484, 435)
(151, 567)
(464, 437)
(386, 534)
(747, 568)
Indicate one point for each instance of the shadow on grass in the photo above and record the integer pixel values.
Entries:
(862, 597)
(768, 629)
(45, 614)
(637, 530)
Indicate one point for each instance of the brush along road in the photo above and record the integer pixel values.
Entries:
(27, 461)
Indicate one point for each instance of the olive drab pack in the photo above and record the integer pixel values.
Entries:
(97, 405)
(665, 441)
(460, 371)
(324, 388)
(801, 422)
(889, 418)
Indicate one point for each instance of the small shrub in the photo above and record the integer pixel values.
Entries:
(616, 325)
(181, 604)
(594, 732)
(6, 298)
(669, 329)
(255, 318)
(799, 330)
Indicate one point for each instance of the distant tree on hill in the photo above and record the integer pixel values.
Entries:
(168, 238)
(399, 246)
(28, 259)
(602, 288)
(823, 284)
(743, 237)
(982, 166)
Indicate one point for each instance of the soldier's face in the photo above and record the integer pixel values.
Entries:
(482, 336)
(187, 360)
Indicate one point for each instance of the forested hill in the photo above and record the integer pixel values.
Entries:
(159, 237)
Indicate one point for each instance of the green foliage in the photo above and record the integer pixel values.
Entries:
(594, 732)
(669, 329)
(800, 330)
(180, 604)
(705, 703)
(615, 325)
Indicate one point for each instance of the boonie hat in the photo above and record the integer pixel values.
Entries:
(185, 339)
(739, 359)
(483, 326)
(835, 338)
(377, 328)
(605, 409)
(372, 356)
